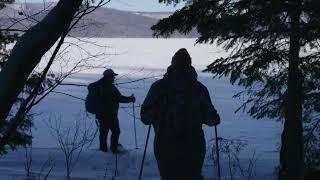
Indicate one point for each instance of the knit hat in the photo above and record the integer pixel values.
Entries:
(181, 58)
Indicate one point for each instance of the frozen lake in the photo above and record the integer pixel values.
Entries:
(134, 59)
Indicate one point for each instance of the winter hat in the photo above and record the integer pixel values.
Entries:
(109, 73)
(181, 58)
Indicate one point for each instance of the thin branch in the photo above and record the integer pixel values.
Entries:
(13, 30)
(56, 92)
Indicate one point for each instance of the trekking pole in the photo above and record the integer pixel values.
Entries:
(144, 153)
(116, 168)
(217, 149)
(134, 124)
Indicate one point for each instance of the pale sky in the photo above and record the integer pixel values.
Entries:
(131, 5)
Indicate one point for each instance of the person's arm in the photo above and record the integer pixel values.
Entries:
(211, 116)
(148, 108)
(123, 99)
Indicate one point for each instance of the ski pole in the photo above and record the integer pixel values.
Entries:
(217, 149)
(144, 153)
(134, 124)
(116, 167)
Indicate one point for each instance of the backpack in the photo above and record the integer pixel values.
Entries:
(93, 98)
(174, 109)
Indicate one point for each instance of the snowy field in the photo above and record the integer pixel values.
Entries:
(134, 59)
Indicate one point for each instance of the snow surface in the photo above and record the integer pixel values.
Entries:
(134, 59)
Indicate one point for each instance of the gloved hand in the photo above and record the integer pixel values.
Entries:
(133, 99)
(217, 121)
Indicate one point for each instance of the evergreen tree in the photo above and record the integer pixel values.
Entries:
(17, 75)
(29, 49)
(20, 135)
(5, 38)
(274, 54)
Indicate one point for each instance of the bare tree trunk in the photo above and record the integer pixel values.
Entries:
(29, 50)
(292, 155)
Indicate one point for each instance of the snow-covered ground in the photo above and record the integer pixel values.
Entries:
(134, 59)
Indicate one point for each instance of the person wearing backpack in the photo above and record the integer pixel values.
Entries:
(103, 100)
(177, 106)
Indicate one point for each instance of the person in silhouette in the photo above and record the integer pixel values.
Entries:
(177, 106)
(107, 109)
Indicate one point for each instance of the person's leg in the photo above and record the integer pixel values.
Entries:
(199, 150)
(115, 129)
(180, 157)
(103, 134)
(165, 153)
(191, 156)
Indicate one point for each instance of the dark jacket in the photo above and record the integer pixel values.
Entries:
(177, 106)
(110, 97)
(178, 103)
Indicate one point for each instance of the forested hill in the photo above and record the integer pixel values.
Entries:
(104, 22)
